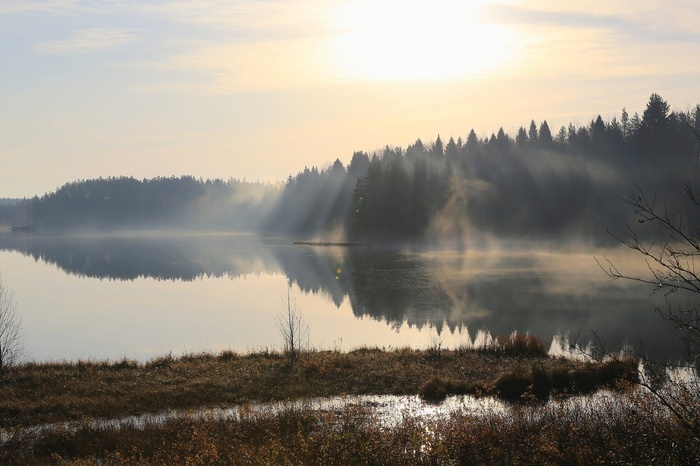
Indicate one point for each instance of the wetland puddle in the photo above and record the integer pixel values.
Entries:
(389, 410)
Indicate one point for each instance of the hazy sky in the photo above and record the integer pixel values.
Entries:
(260, 89)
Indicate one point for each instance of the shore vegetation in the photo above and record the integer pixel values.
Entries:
(55, 413)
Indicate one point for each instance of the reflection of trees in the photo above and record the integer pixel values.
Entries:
(499, 293)
(315, 270)
(382, 284)
(511, 293)
(394, 287)
(163, 258)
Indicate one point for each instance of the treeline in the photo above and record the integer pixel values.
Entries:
(537, 183)
(317, 200)
(172, 202)
(13, 211)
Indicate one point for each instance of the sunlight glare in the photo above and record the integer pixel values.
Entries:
(392, 40)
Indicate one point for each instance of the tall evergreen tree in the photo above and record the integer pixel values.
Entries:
(452, 151)
(545, 135)
(472, 145)
(438, 149)
(655, 129)
(625, 124)
(532, 135)
(521, 138)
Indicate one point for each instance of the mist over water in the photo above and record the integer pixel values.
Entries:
(143, 295)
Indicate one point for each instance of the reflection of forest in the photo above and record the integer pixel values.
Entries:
(161, 257)
(499, 293)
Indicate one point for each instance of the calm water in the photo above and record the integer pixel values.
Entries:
(140, 296)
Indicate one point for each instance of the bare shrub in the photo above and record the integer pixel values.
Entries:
(292, 328)
(11, 338)
(670, 247)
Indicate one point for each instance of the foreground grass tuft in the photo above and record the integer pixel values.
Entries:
(522, 344)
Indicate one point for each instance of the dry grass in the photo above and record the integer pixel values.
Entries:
(633, 429)
(35, 394)
(522, 344)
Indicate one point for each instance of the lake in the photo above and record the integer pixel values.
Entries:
(144, 295)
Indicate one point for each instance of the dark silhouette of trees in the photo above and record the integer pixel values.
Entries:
(452, 151)
(625, 125)
(532, 135)
(438, 150)
(545, 136)
(400, 192)
(13, 212)
(598, 132)
(358, 164)
(531, 185)
(503, 141)
(653, 137)
(317, 201)
(522, 138)
(173, 202)
(472, 142)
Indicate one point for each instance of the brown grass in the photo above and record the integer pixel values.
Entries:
(34, 394)
(522, 344)
(635, 431)
(53, 392)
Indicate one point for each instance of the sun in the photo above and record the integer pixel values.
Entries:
(399, 40)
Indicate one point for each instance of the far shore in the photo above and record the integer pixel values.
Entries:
(328, 243)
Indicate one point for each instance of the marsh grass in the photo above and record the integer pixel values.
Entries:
(521, 344)
(629, 428)
(537, 382)
(35, 394)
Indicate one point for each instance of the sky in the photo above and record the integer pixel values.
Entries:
(258, 90)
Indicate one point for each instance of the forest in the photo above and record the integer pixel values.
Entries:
(539, 183)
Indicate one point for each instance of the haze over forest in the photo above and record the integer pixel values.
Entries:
(540, 183)
(258, 90)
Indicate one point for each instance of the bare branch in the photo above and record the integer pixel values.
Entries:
(292, 328)
(671, 264)
(11, 336)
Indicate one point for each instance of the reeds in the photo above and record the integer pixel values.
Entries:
(521, 344)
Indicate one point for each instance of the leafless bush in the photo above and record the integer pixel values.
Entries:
(292, 328)
(11, 342)
(672, 272)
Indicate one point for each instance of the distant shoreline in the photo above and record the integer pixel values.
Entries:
(327, 243)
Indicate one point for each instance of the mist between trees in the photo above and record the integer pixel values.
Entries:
(537, 184)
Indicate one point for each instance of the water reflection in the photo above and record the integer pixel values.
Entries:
(159, 256)
(502, 291)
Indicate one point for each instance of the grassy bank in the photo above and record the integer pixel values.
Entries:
(34, 394)
(38, 393)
